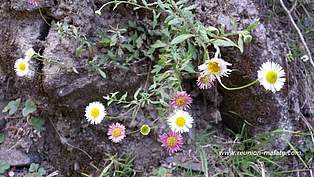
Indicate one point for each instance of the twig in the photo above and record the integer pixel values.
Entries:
(12, 147)
(309, 126)
(294, 6)
(64, 141)
(298, 31)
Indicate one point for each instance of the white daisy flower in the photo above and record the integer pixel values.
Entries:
(95, 112)
(21, 67)
(215, 68)
(272, 76)
(181, 121)
(29, 54)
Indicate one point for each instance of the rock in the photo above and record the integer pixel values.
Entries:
(30, 5)
(16, 158)
(265, 111)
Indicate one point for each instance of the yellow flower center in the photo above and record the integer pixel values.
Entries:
(171, 141)
(181, 101)
(95, 113)
(204, 79)
(116, 132)
(22, 66)
(271, 77)
(180, 121)
(213, 67)
(145, 129)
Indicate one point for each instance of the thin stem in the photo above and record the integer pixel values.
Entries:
(124, 2)
(299, 32)
(206, 55)
(42, 16)
(237, 88)
(44, 59)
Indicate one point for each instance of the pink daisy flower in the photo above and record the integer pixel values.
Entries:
(215, 67)
(116, 132)
(172, 141)
(181, 100)
(205, 82)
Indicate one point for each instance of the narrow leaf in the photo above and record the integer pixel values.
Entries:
(103, 74)
(181, 38)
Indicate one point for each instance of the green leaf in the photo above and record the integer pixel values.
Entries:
(252, 26)
(161, 4)
(181, 38)
(78, 51)
(240, 43)
(41, 171)
(211, 29)
(224, 43)
(191, 7)
(139, 41)
(29, 108)
(144, 2)
(155, 19)
(38, 123)
(12, 106)
(103, 74)
(175, 21)
(2, 137)
(4, 166)
(158, 44)
(113, 40)
(188, 67)
(162, 172)
(105, 42)
(247, 38)
(33, 168)
(123, 96)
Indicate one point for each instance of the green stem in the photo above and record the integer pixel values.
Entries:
(42, 16)
(237, 88)
(206, 55)
(44, 59)
(124, 2)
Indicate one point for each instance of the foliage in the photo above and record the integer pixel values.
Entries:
(2, 137)
(38, 123)
(116, 166)
(36, 171)
(160, 172)
(64, 29)
(29, 107)
(203, 160)
(4, 166)
(172, 43)
(12, 106)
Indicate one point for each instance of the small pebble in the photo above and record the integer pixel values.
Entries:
(11, 173)
(76, 166)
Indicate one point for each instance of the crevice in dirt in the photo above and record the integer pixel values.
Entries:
(43, 33)
(44, 29)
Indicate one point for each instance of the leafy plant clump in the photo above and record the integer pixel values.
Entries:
(36, 171)
(4, 166)
(174, 41)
